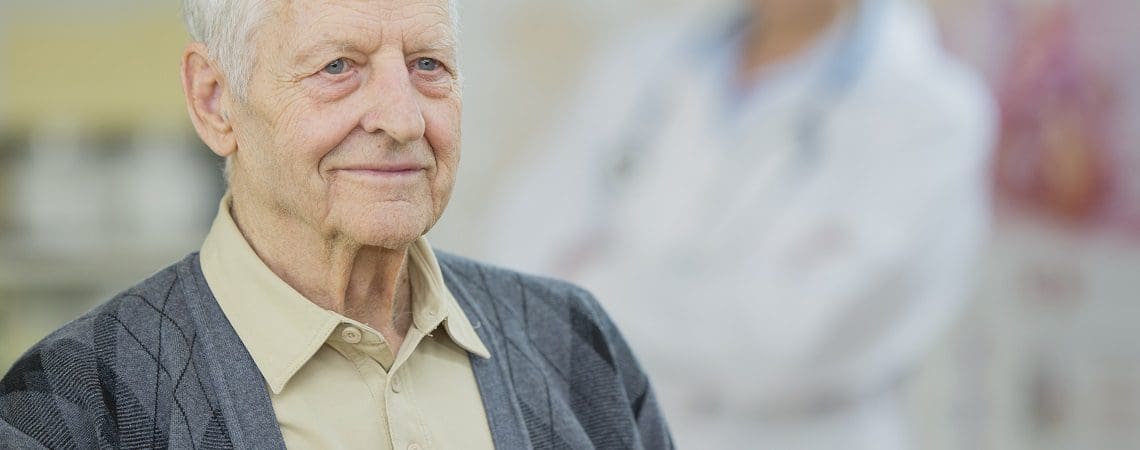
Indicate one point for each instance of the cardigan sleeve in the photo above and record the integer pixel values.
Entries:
(10, 437)
(54, 395)
(51, 395)
(651, 425)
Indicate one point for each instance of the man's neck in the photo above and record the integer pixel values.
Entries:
(778, 34)
(365, 283)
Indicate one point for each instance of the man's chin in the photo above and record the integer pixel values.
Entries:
(389, 242)
(391, 225)
(389, 234)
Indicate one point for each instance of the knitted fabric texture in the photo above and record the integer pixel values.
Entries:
(159, 366)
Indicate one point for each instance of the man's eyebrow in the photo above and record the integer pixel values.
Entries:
(308, 52)
(438, 43)
(437, 47)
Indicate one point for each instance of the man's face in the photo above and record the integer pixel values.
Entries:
(351, 125)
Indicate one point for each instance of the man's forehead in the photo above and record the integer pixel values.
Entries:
(310, 29)
(422, 12)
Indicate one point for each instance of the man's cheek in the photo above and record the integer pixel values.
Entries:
(444, 145)
(443, 118)
(318, 137)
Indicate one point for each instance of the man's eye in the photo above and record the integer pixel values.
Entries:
(427, 64)
(336, 67)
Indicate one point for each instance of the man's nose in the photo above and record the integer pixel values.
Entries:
(394, 107)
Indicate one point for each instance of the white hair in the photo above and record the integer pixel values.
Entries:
(226, 27)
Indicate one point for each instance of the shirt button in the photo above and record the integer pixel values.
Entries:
(396, 385)
(413, 446)
(351, 335)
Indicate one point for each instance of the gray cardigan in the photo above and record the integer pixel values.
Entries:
(160, 366)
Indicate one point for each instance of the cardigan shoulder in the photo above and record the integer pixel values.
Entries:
(123, 374)
(564, 356)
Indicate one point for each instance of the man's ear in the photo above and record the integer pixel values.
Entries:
(203, 86)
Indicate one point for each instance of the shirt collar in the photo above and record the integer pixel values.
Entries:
(259, 304)
(434, 303)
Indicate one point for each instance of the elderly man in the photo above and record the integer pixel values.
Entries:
(316, 315)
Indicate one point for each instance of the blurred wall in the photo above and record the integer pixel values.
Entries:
(1048, 357)
(100, 180)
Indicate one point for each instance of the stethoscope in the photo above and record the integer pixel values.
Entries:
(650, 117)
(840, 73)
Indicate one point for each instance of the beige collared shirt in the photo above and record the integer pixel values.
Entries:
(334, 382)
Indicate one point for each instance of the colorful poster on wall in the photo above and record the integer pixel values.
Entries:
(1067, 76)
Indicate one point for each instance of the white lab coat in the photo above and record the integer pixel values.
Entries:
(776, 299)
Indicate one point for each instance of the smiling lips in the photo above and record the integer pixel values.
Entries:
(384, 171)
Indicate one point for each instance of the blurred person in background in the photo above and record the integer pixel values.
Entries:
(781, 205)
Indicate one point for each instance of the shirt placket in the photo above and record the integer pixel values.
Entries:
(385, 374)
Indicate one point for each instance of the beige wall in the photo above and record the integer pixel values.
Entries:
(107, 70)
